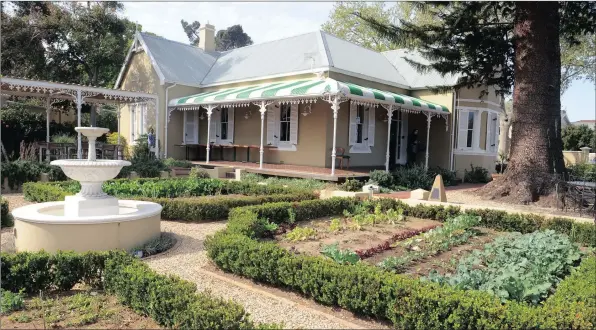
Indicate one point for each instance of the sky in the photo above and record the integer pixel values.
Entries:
(267, 21)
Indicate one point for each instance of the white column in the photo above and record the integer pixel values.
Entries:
(335, 108)
(47, 128)
(262, 110)
(80, 142)
(157, 106)
(209, 112)
(389, 115)
(118, 116)
(428, 118)
(166, 130)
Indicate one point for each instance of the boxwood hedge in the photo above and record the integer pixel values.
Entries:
(5, 216)
(406, 302)
(169, 300)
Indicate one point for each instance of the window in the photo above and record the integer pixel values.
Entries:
(470, 133)
(285, 123)
(360, 124)
(224, 124)
(492, 133)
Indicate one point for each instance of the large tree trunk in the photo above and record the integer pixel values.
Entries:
(536, 145)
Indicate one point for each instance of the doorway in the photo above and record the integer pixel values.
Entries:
(398, 139)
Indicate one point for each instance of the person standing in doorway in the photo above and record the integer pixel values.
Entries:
(413, 146)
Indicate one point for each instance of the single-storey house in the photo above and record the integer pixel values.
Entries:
(306, 100)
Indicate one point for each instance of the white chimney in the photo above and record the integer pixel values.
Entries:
(207, 37)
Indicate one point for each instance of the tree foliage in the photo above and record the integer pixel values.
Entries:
(578, 61)
(575, 137)
(192, 31)
(231, 38)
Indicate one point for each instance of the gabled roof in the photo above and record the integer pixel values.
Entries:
(317, 51)
(415, 79)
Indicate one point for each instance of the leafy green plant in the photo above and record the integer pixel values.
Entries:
(291, 216)
(454, 232)
(271, 226)
(301, 234)
(583, 171)
(381, 178)
(477, 174)
(346, 256)
(172, 162)
(516, 267)
(351, 185)
(63, 138)
(5, 216)
(157, 245)
(198, 173)
(335, 225)
(394, 216)
(11, 301)
(413, 177)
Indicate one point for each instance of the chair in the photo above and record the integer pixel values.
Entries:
(109, 151)
(340, 155)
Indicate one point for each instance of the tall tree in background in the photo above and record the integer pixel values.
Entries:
(192, 31)
(230, 38)
(344, 24)
(508, 44)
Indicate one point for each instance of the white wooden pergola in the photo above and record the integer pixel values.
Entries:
(53, 92)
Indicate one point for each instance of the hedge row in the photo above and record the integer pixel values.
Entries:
(170, 301)
(5, 216)
(156, 188)
(406, 302)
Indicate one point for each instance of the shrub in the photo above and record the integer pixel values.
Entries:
(352, 185)
(449, 177)
(64, 138)
(112, 138)
(21, 171)
(198, 173)
(382, 178)
(583, 171)
(11, 301)
(170, 301)
(477, 174)
(413, 177)
(171, 162)
(5, 216)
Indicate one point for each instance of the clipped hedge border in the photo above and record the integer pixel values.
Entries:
(406, 302)
(5, 216)
(169, 300)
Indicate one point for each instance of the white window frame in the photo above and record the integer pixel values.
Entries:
(274, 126)
(282, 108)
(464, 115)
(368, 128)
(216, 126)
(138, 125)
(222, 122)
(492, 132)
(195, 114)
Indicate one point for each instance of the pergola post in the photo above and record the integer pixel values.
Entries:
(209, 112)
(335, 108)
(48, 128)
(79, 141)
(156, 103)
(389, 116)
(118, 149)
(428, 118)
(262, 110)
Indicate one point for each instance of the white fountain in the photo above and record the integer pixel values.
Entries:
(91, 220)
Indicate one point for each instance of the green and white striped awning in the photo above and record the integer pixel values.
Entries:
(304, 89)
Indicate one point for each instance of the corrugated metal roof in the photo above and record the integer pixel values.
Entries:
(294, 54)
(414, 78)
(357, 59)
(178, 62)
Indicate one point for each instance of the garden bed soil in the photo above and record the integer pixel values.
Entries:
(441, 262)
(90, 310)
(368, 237)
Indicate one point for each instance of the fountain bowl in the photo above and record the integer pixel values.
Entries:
(92, 132)
(91, 170)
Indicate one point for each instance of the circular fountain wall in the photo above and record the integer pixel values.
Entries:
(90, 220)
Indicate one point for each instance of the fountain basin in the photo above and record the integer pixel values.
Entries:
(45, 226)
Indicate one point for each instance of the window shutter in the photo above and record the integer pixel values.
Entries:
(214, 127)
(371, 126)
(271, 125)
(462, 133)
(353, 125)
(489, 127)
(231, 125)
(294, 124)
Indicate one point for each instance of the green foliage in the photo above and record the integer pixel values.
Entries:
(335, 225)
(454, 232)
(346, 256)
(157, 245)
(309, 184)
(231, 38)
(143, 161)
(522, 267)
(171, 162)
(449, 177)
(5, 216)
(21, 171)
(63, 138)
(381, 178)
(170, 301)
(198, 173)
(112, 138)
(370, 291)
(576, 137)
(477, 174)
(351, 185)
(11, 301)
(301, 234)
(583, 171)
(413, 177)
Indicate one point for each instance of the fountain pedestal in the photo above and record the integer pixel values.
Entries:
(91, 220)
